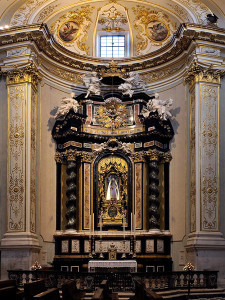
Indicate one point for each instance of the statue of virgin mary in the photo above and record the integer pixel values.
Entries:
(112, 190)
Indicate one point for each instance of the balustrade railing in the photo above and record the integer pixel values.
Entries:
(119, 281)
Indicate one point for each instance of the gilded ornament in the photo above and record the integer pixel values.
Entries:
(197, 73)
(113, 114)
(154, 28)
(112, 19)
(72, 28)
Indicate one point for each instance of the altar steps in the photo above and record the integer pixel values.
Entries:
(203, 294)
(200, 294)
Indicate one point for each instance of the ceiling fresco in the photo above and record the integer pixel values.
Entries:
(76, 25)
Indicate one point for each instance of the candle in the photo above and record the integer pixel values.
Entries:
(101, 224)
(134, 223)
(131, 223)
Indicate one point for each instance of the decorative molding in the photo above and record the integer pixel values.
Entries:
(180, 42)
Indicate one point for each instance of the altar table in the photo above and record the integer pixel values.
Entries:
(98, 265)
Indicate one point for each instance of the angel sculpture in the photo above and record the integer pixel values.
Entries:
(66, 105)
(161, 106)
(92, 82)
(132, 81)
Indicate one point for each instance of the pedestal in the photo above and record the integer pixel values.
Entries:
(18, 251)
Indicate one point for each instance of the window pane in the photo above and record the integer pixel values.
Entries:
(112, 46)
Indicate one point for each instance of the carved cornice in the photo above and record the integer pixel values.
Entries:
(22, 74)
(46, 44)
(197, 73)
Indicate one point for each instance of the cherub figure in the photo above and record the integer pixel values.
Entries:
(92, 82)
(132, 81)
(66, 105)
(161, 106)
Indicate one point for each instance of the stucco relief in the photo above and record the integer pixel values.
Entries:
(199, 9)
(22, 15)
(71, 29)
(209, 157)
(153, 28)
(16, 157)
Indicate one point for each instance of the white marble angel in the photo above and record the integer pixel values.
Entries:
(66, 105)
(161, 106)
(130, 82)
(92, 82)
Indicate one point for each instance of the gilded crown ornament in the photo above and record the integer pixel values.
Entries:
(113, 70)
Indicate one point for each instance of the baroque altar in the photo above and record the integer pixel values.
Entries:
(113, 161)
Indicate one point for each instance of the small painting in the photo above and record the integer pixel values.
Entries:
(68, 31)
(157, 31)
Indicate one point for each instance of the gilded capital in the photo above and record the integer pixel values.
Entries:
(167, 157)
(197, 73)
(153, 155)
(71, 155)
(59, 157)
(138, 157)
(22, 74)
(87, 157)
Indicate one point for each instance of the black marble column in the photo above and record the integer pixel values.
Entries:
(71, 195)
(153, 193)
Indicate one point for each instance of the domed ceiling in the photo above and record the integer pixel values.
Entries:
(78, 25)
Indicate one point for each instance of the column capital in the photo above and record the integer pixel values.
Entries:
(138, 157)
(167, 157)
(71, 155)
(87, 157)
(197, 73)
(22, 74)
(153, 155)
(59, 157)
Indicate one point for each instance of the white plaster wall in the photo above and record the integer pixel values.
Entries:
(49, 99)
(178, 165)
